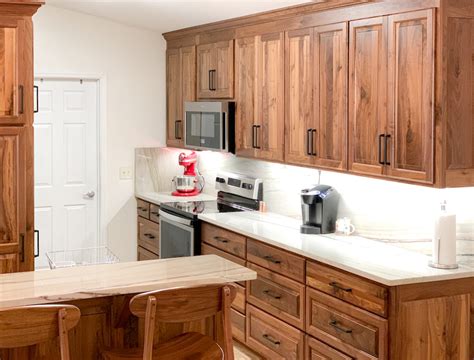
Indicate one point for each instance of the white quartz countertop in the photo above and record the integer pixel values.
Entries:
(85, 282)
(371, 259)
(161, 197)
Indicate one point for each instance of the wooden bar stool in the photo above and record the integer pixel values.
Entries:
(178, 306)
(31, 325)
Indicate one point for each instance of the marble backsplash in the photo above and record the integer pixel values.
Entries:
(378, 209)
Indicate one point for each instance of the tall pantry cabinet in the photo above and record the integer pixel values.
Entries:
(16, 136)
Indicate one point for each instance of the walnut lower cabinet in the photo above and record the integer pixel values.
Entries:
(299, 308)
(148, 231)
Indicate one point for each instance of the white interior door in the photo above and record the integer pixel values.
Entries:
(66, 166)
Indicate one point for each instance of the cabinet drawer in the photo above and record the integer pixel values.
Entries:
(238, 325)
(239, 301)
(207, 249)
(345, 327)
(225, 240)
(277, 260)
(278, 295)
(144, 254)
(143, 209)
(149, 235)
(316, 350)
(154, 216)
(272, 337)
(353, 289)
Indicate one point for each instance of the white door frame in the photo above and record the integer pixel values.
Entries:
(102, 138)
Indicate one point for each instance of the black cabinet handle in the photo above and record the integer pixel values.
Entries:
(336, 286)
(381, 136)
(387, 137)
(150, 236)
(257, 128)
(209, 80)
(221, 239)
(272, 294)
(177, 134)
(308, 141)
(313, 152)
(22, 102)
(213, 80)
(336, 325)
(271, 339)
(22, 247)
(37, 233)
(36, 90)
(272, 259)
(254, 136)
(154, 213)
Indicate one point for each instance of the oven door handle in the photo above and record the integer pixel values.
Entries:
(177, 219)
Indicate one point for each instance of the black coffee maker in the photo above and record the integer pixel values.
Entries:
(319, 207)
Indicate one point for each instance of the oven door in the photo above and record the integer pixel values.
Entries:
(177, 236)
(205, 130)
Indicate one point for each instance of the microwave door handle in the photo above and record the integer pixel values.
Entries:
(175, 218)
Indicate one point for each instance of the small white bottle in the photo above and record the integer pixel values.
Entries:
(444, 240)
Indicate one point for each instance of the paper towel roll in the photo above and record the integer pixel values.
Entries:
(444, 241)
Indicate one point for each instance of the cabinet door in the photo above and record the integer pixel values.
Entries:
(270, 100)
(411, 96)
(299, 122)
(205, 65)
(174, 99)
(223, 76)
(187, 60)
(12, 90)
(245, 95)
(12, 199)
(330, 96)
(367, 95)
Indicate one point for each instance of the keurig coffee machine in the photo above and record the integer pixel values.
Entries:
(319, 206)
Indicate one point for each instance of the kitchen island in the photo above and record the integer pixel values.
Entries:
(102, 292)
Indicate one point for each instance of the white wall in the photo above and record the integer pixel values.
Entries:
(379, 209)
(132, 63)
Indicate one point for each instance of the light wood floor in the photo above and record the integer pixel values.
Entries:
(241, 352)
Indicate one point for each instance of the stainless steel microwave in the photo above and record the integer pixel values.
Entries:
(209, 126)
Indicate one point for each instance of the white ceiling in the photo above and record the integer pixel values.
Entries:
(168, 15)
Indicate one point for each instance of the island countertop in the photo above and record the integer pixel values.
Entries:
(94, 281)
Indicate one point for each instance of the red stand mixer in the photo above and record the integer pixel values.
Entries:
(191, 183)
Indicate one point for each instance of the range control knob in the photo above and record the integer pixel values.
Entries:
(247, 186)
(220, 180)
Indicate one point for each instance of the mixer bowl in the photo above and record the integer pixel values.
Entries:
(185, 183)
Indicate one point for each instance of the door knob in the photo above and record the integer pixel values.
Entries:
(89, 195)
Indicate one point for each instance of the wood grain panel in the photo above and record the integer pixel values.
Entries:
(154, 213)
(298, 96)
(411, 95)
(224, 70)
(278, 295)
(350, 288)
(245, 94)
(273, 338)
(330, 100)
(173, 96)
(149, 235)
(351, 330)
(460, 102)
(205, 64)
(8, 65)
(367, 94)
(238, 325)
(143, 209)
(144, 254)
(270, 99)
(225, 240)
(435, 328)
(187, 58)
(277, 260)
(317, 350)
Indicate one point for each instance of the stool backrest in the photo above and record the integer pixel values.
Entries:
(31, 325)
(183, 305)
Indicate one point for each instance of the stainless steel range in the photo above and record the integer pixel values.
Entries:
(179, 224)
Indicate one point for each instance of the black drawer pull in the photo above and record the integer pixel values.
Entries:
(221, 239)
(150, 236)
(336, 286)
(271, 339)
(154, 213)
(272, 259)
(139, 208)
(335, 325)
(272, 294)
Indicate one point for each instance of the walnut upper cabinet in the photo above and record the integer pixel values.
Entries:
(391, 95)
(260, 95)
(12, 86)
(181, 87)
(316, 70)
(215, 72)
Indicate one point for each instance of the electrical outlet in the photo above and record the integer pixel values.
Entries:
(125, 173)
